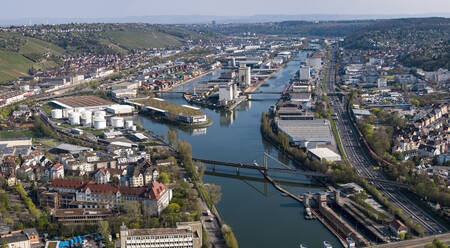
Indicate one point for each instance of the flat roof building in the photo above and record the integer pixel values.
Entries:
(323, 153)
(73, 149)
(186, 235)
(86, 102)
(307, 133)
(16, 142)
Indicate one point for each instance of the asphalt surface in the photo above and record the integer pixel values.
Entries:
(365, 167)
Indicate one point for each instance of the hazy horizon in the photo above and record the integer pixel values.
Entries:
(82, 9)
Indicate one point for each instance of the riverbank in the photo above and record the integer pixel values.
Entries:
(251, 206)
(167, 120)
(188, 81)
(203, 100)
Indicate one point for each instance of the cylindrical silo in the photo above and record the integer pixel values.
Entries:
(99, 123)
(100, 113)
(57, 113)
(128, 124)
(66, 112)
(117, 122)
(74, 118)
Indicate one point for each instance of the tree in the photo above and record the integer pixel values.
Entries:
(115, 181)
(132, 210)
(173, 161)
(437, 244)
(284, 140)
(103, 229)
(213, 192)
(230, 239)
(164, 178)
(172, 134)
(173, 208)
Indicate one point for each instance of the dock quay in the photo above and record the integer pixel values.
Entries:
(339, 227)
(282, 190)
(367, 224)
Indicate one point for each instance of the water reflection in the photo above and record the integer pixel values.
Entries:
(227, 118)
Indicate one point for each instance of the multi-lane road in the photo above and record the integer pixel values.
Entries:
(364, 165)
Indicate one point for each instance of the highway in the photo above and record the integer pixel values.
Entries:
(364, 165)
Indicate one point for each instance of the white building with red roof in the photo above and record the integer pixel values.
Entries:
(155, 196)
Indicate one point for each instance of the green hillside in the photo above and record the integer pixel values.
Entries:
(35, 50)
(19, 54)
(13, 65)
(142, 39)
(423, 42)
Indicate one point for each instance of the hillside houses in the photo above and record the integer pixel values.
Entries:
(426, 134)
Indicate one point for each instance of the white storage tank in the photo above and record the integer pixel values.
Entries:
(99, 114)
(66, 112)
(99, 123)
(117, 122)
(86, 121)
(57, 113)
(128, 124)
(74, 118)
(86, 115)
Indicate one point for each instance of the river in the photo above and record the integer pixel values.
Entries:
(259, 215)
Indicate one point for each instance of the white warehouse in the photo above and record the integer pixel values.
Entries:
(117, 109)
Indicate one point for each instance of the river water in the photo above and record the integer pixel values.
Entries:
(259, 215)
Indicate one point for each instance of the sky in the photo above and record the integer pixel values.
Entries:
(15, 9)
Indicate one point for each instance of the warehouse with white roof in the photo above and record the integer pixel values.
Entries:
(323, 153)
(307, 133)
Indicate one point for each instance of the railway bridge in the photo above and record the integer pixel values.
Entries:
(287, 170)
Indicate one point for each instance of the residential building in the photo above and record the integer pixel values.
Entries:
(156, 196)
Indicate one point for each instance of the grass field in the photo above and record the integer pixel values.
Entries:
(172, 108)
(139, 39)
(10, 134)
(49, 142)
(13, 65)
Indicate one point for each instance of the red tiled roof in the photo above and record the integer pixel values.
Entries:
(157, 190)
(58, 166)
(101, 189)
(397, 225)
(68, 184)
(153, 192)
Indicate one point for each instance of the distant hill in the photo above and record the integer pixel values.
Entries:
(290, 28)
(41, 46)
(423, 42)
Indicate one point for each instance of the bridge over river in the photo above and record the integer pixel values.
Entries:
(288, 170)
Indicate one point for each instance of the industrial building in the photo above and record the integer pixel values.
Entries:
(304, 73)
(118, 109)
(323, 153)
(82, 102)
(307, 133)
(300, 96)
(227, 92)
(314, 60)
(186, 235)
(244, 75)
